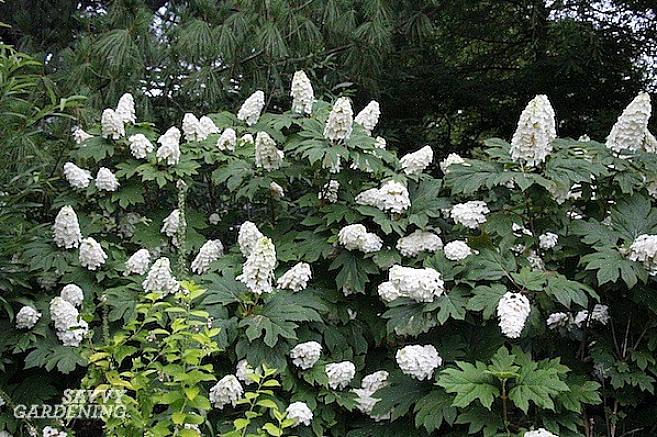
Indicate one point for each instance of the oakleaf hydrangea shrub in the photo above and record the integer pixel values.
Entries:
(506, 293)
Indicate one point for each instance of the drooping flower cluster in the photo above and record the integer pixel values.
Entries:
(419, 241)
(251, 108)
(299, 413)
(105, 180)
(457, 250)
(211, 251)
(329, 192)
(244, 372)
(418, 361)
(541, 432)
(532, 140)
(160, 279)
(368, 117)
(92, 254)
(599, 313)
(340, 121)
(302, 93)
(556, 320)
(548, 240)
(258, 270)
(72, 294)
(340, 374)
(125, 109)
(227, 391)
(356, 237)
(305, 355)
(27, 317)
(369, 385)
(296, 279)
(69, 327)
(416, 162)
(513, 310)
(66, 230)
(198, 130)
(140, 146)
(392, 196)
(421, 285)
(76, 176)
(111, 125)
(630, 132)
(644, 250)
(277, 192)
(80, 136)
(227, 140)
(267, 156)
(247, 238)
(171, 224)
(470, 214)
(452, 159)
(138, 263)
(169, 149)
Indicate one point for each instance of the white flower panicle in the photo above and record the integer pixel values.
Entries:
(296, 279)
(105, 180)
(227, 391)
(532, 140)
(630, 132)
(375, 381)
(111, 125)
(368, 117)
(138, 263)
(340, 374)
(421, 285)
(299, 413)
(369, 385)
(125, 109)
(356, 237)
(302, 93)
(419, 241)
(190, 127)
(258, 270)
(247, 238)
(513, 310)
(214, 218)
(246, 139)
(418, 361)
(415, 163)
(556, 320)
(244, 371)
(140, 146)
(66, 230)
(80, 136)
(206, 127)
(63, 313)
(548, 240)
(470, 214)
(277, 192)
(211, 251)
(388, 291)
(452, 159)
(171, 223)
(541, 432)
(380, 143)
(644, 250)
(92, 254)
(74, 335)
(392, 196)
(169, 149)
(267, 156)
(251, 108)
(329, 191)
(457, 250)
(227, 140)
(76, 176)
(340, 121)
(305, 355)
(160, 279)
(600, 314)
(72, 294)
(27, 317)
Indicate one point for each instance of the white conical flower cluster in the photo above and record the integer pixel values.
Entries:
(630, 132)
(356, 237)
(198, 130)
(138, 263)
(457, 250)
(600, 314)
(644, 250)
(369, 385)
(169, 149)
(340, 374)
(227, 140)
(68, 325)
(302, 93)
(211, 251)
(246, 139)
(330, 191)
(548, 240)
(532, 140)
(513, 310)
(421, 285)
(125, 109)
(258, 270)
(296, 279)
(244, 372)
(470, 214)
(140, 146)
(267, 156)
(251, 108)
(299, 413)
(72, 294)
(415, 163)
(452, 159)
(27, 317)
(340, 121)
(556, 320)
(247, 238)
(392, 196)
(277, 192)
(160, 279)
(305, 355)
(227, 391)
(92, 254)
(171, 224)
(380, 143)
(66, 230)
(111, 125)
(419, 241)
(105, 180)
(541, 432)
(214, 218)
(368, 117)
(418, 361)
(76, 176)
(80, 136)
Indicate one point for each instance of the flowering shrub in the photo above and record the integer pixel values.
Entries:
(504, 293)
